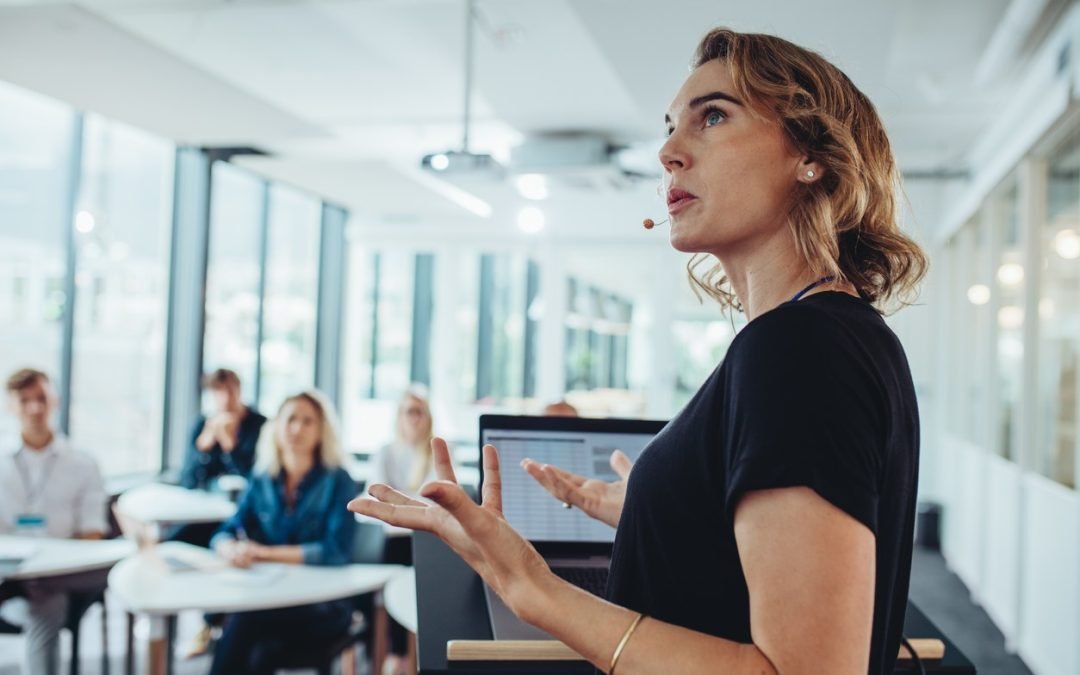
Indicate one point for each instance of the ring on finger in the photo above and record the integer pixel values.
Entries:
(567, 505)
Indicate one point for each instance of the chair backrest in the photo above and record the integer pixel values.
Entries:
(369, 543)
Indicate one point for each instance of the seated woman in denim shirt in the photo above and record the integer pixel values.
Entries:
(293, 512)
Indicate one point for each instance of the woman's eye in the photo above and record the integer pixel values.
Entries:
(713, 118)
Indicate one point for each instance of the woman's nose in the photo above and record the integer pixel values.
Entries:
(672, 155)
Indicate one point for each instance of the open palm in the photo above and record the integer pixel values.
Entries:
(477, 533)
(599, 499)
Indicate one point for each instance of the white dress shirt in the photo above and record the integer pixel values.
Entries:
(57, 482)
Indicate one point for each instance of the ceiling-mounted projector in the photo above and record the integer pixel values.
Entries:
(459, 161)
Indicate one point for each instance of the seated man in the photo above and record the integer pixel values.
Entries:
(47, 489)
(224, 442)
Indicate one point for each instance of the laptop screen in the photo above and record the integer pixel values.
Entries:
(581, 446)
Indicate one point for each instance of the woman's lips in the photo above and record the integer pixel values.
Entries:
(678, 200)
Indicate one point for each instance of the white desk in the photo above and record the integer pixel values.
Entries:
(145, 584)
(159, 503)
(57, 557)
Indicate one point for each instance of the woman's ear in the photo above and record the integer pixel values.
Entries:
(809, 171)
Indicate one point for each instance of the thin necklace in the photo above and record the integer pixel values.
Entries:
(820, 282)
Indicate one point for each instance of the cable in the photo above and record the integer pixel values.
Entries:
(914, 654)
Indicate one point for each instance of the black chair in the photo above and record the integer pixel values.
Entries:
(78, 603)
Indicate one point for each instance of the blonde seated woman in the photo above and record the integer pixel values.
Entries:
(292, 512)
(405, 463)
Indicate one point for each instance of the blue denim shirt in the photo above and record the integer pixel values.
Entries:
(318, 522)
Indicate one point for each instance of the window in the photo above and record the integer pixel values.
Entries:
(597, 338)
(35, 156)
(501, 344)
(392, 358)
(971, 304)
(1059, 319)
(700, 345)
(460, 299)
(233, 274)
(124, 229)
(1009, 280)
(578, 321)
(622, 315)
(290, 304)
(378, 350)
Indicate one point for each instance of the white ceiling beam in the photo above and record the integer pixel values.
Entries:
(1019, 19)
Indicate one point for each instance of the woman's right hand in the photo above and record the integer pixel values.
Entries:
(598, 499)
(238, 553)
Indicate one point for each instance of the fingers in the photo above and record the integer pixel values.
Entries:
(538, 471)
(412, 517)
(451, 497)
(565, 490)
(621, 463)
(492, 493)
(440, 454)
(566, 476)
(385, 493)
(548, 475)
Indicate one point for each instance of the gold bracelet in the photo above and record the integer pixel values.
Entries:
(622, 643)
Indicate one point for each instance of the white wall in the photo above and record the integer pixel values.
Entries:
(1012, 535)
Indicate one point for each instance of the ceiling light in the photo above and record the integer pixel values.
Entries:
(84, 222)
(532, 186)
(439, 162)
(979, 294)
(530, 220)
(1010, 317)
(1067, 244)
(1010, 274)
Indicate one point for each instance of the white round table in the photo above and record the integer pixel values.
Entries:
(171, 577)
(160, 503)
(37, 557)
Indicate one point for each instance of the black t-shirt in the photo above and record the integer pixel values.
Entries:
(815, 393)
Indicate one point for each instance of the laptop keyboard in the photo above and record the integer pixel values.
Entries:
(591, 579)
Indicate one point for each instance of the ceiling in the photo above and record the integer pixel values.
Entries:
(346, 95)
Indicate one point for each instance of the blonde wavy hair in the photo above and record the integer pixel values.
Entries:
(329, 452)
(845, 224)
(422, 465)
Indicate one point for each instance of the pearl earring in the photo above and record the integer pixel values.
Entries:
(809, 174)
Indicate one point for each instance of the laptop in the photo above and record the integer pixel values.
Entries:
(576, 547)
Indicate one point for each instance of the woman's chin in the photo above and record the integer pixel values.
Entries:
(685, 242)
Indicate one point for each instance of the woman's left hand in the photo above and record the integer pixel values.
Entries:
(479, 534)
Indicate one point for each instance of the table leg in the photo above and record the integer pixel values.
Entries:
(162, 639)
(381, 637)
(129, 656)
(170, 644)
(410, 654)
